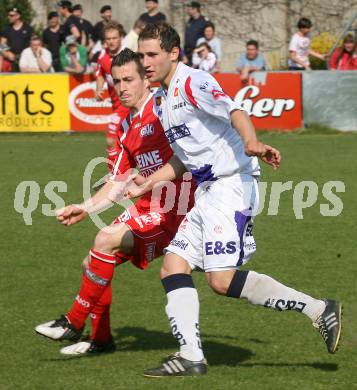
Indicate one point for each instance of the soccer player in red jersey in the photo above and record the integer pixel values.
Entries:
(113, 33)
(139, 234)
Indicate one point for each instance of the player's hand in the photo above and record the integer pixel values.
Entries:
(268, 154)
(71, 214)
(134, 190)
(99, 95)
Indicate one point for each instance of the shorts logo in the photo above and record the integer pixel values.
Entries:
(125, 216)
(150, 251)
(148, 219)
(177, 132)
(147, 130)
(218, 229)
(179, 243)
(219, 248)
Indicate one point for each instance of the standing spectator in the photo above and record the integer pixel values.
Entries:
(71, 25)
(153, 15)
(16, 36)
(131, 39)
(106, 15)
(36, 58)
(87, 29)
(194, 28)
(52, 39)
(344, 57)
(5, 64)
(210, 38)
(299, 47)
(250, 61)
(203, 58)
(73, 56)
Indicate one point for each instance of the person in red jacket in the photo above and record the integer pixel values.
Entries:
(345, 56)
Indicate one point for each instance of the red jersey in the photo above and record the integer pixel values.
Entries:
(104, 64)
(143, 145)
(343, 61)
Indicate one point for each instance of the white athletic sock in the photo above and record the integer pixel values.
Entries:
(263, 290)
(182, 310)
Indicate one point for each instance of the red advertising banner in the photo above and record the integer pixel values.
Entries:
(273, 100)
(88, 114)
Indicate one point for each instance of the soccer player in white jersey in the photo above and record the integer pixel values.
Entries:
(214, 139)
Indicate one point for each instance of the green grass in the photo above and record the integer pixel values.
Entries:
(247, 347)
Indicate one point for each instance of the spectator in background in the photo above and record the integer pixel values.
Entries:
(87, 29)
(153, 15)
(5, 64)
(73, 56)
(214, 42)
(194, 28)
(299, 47)
(106, 15)
(344, 57)
(203, 58)
(52, 39)
(131, 39)
(36, 58)
(71, 25)
(250, 61)
(16, 36)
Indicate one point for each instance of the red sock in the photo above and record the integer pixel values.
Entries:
(95, 281)
(100, 317)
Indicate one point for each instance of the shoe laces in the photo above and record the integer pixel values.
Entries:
(320, 324)
(62, 321)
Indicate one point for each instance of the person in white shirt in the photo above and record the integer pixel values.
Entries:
(299, 47)
(36, 58)
(203, 58)
(131, 39)
(213, 138)
(209, 36)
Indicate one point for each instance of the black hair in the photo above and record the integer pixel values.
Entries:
(210, 24)
(253, 42)
(125, 57)
(105, 8)
(304, 23)
(167, 35)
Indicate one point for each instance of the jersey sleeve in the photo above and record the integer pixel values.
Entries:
(205, 94)
(293, 45)
(99, 69)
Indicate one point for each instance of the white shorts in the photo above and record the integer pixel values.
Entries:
(217, 234)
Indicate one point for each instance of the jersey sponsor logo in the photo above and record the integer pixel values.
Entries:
(178, 105)
(151, 218)
(220, 248)
(177, 132)
(147, 130)
(149, 162)
(182, 244)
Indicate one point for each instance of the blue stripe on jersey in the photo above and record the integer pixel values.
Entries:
(203, 174)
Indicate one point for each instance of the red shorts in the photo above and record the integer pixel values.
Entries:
(152, 232)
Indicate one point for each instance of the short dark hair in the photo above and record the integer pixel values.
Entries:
(35, 37)
(210, 24)
(52, 14)
(304, 23)
(105, 8)
(125, 57)
(77, 7)
(253, 42)
(164, 32)
(206, 45)
(114, 25)
(14, 9)
(65, 4)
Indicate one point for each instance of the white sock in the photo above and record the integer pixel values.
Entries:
(182, 310)
(263, 290)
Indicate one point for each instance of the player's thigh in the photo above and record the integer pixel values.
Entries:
(113, 238)
(174, 264)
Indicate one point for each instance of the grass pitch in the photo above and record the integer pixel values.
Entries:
(247, 347)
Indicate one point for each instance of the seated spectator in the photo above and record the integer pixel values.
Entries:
(250, 61)
(344, 57)
(153, 15)
(214, 42)
(73, 56)
(16, 36)
(203, 58)
(52, 39)
(36, 58)
(299, 47)
(106, 15)
(5, 64)
(131, 39)
(87, 30)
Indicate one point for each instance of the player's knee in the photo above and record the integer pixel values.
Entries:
(104, 242)
(218, 286)
(174, 264)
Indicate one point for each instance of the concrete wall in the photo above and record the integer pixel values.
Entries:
(270, 22)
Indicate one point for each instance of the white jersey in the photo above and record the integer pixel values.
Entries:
(195, 113)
